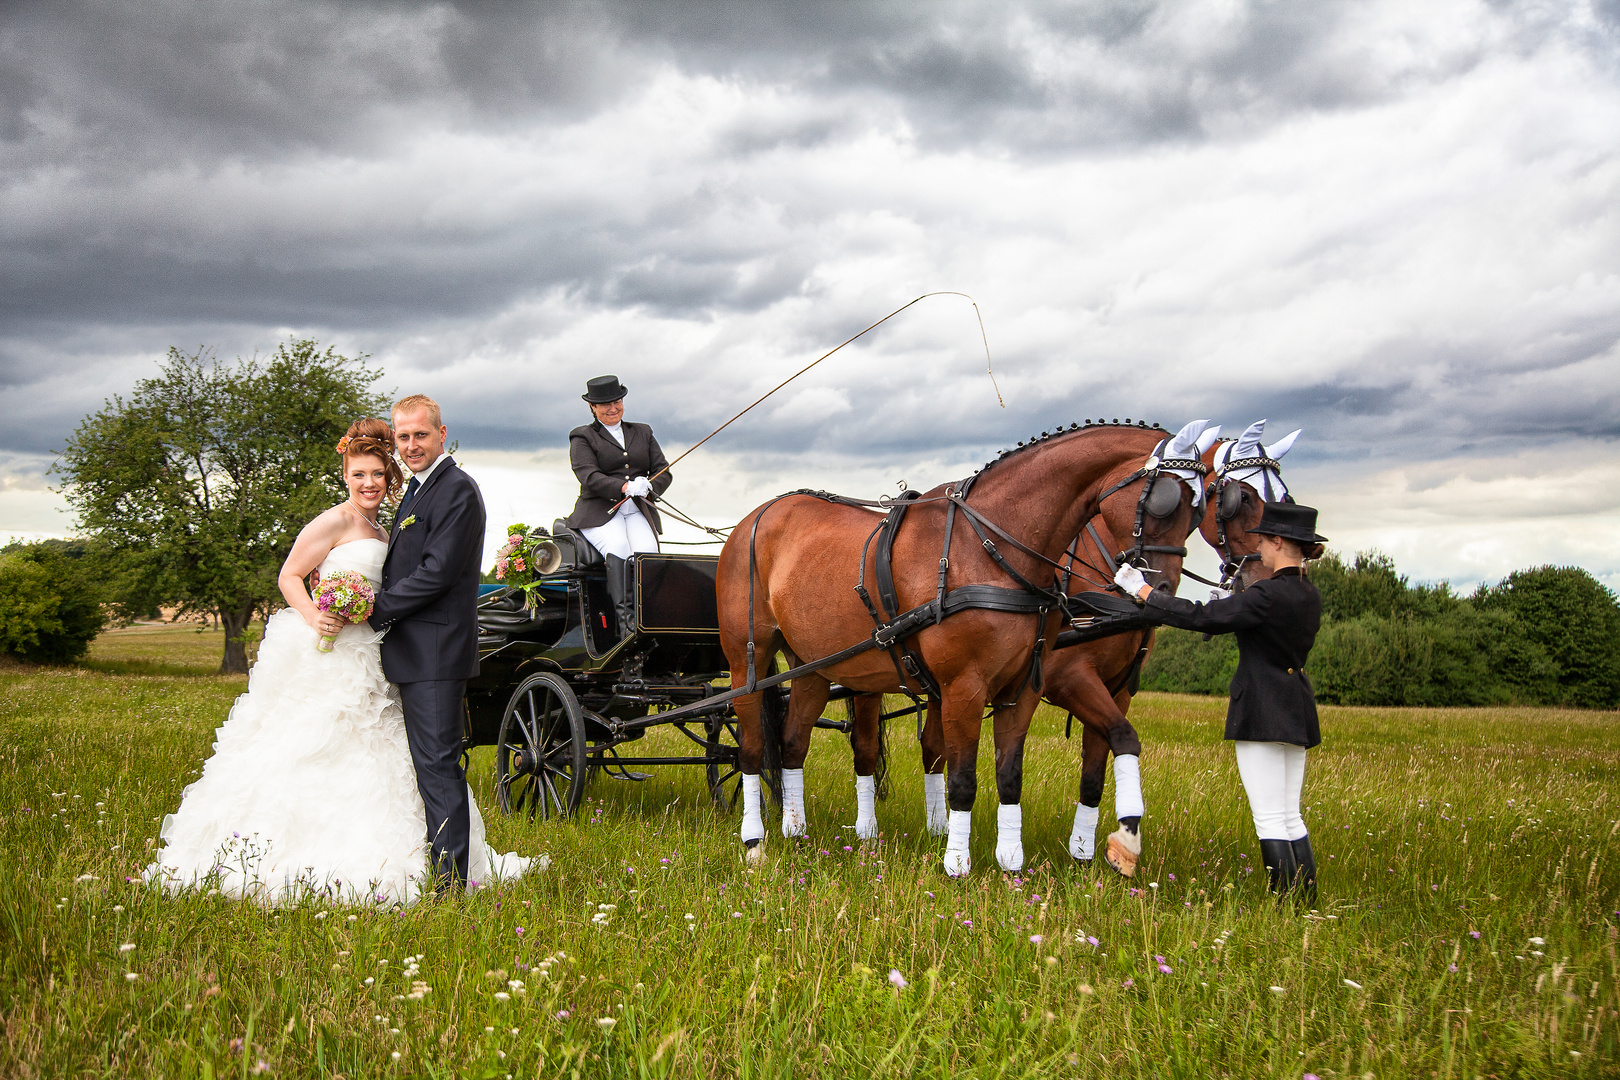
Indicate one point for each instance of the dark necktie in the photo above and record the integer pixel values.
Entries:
(410, 493)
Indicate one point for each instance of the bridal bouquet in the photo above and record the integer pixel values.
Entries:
(345, 593)
(519, 560)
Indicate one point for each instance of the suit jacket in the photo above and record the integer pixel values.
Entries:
(429, 598)
(603, 466)
(1276, 622)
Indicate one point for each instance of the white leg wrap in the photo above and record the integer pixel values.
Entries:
(934, 802)
(866, 807)
(1127, 786)
(1083, 840)
(793, 820)
(960, 828)
(1010, 836)
(753, 824)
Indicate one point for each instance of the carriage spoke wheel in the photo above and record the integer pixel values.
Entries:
(724, 774)
(540, 756)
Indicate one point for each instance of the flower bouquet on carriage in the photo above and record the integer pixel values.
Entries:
(345, 593)
(525, 558)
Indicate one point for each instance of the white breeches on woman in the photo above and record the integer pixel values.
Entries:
(625, 533)
(1273, 774)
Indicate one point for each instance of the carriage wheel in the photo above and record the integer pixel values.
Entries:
(725, 776)
(540, 761)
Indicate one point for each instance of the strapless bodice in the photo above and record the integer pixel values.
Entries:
(365, 557)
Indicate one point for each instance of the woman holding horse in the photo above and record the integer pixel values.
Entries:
(621, 472)
(1272, 712)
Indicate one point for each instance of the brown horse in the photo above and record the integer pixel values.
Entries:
(1095, 682)
(785, 585)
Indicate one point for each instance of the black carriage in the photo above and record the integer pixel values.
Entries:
(563, 692)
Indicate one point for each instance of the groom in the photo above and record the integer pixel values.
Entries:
(428, 605)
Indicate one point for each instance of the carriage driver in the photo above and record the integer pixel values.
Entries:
(619, 465)
(1272, 712)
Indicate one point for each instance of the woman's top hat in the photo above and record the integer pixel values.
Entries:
(1290, 519)
(603, 389)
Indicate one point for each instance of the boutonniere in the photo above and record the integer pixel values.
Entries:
(407, 523)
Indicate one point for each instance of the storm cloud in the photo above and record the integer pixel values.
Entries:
(1391, 224)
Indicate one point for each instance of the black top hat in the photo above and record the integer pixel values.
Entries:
(1290, 519)
(603, 389)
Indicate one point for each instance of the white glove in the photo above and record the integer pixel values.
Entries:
(640, 487)
(1218, 594)
(1130, 579)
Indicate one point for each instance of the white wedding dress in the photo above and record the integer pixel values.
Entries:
(310, 790)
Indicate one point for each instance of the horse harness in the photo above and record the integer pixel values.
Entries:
(1226, 495)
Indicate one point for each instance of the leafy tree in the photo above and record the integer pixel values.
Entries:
(1576, 620)
(194, 488)
(1370, 585)
(50, 602)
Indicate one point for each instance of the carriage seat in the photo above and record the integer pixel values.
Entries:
(584, 554)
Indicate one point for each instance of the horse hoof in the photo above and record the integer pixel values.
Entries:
(753, 851)
(1123, 851)
(957, 865)
(1012, 858)
(790, 829)
(866, 830)
(938, 828)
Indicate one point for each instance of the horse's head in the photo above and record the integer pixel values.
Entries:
(1154, 504)
(1244, 476)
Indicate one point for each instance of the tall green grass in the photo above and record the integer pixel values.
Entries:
(1469, 892)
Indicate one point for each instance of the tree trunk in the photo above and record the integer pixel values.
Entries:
(235, 620)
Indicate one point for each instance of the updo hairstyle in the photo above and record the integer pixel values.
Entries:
(370, 437)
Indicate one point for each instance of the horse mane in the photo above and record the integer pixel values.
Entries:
(1061, 432)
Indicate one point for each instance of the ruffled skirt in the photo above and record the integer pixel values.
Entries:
(310, 790)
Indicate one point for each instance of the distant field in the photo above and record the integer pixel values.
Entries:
(1470, 891)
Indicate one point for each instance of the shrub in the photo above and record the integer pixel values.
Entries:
(1182, 662)
(50, 603)
(1575, 620)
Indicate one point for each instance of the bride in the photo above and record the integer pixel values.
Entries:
(311, 790)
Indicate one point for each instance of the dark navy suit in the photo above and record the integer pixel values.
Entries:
(428, 605)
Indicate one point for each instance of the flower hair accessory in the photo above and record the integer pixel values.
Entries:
(343, 444)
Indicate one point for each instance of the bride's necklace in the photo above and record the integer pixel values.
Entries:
(368, 521)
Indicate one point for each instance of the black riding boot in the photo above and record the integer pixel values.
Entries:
(1306, 860)
(1278, 855)
(621, 588)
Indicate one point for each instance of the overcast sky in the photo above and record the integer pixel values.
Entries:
(1391, 224)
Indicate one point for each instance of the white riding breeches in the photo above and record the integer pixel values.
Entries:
(626, 533)
(1273, 774)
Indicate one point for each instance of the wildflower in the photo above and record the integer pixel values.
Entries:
(1035, 939)
(319, 916)
(368, 981)
(1278, 990)
(1093, 942)
(236, 1046)
(1538, 941)
(563, 1014)
(1153, 884)
(1051, 961)
(1084, 988)
(502, 995)
(1128, 983)
(395, 1055)
(519, 931)
(897, 980)
(606, 1023)
(130, 976)
(128, 946)
(1451, 967)
(1164, 969)
(1352, 984)
(118, 909)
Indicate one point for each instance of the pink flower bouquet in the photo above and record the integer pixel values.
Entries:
(344, 593)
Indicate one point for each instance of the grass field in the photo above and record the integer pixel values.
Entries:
(1467, 923)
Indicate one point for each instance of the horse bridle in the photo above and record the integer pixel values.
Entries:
(1226, 496)
(1160, 495)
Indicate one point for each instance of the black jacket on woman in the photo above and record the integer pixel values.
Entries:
(1276, 622)
(603, 466)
